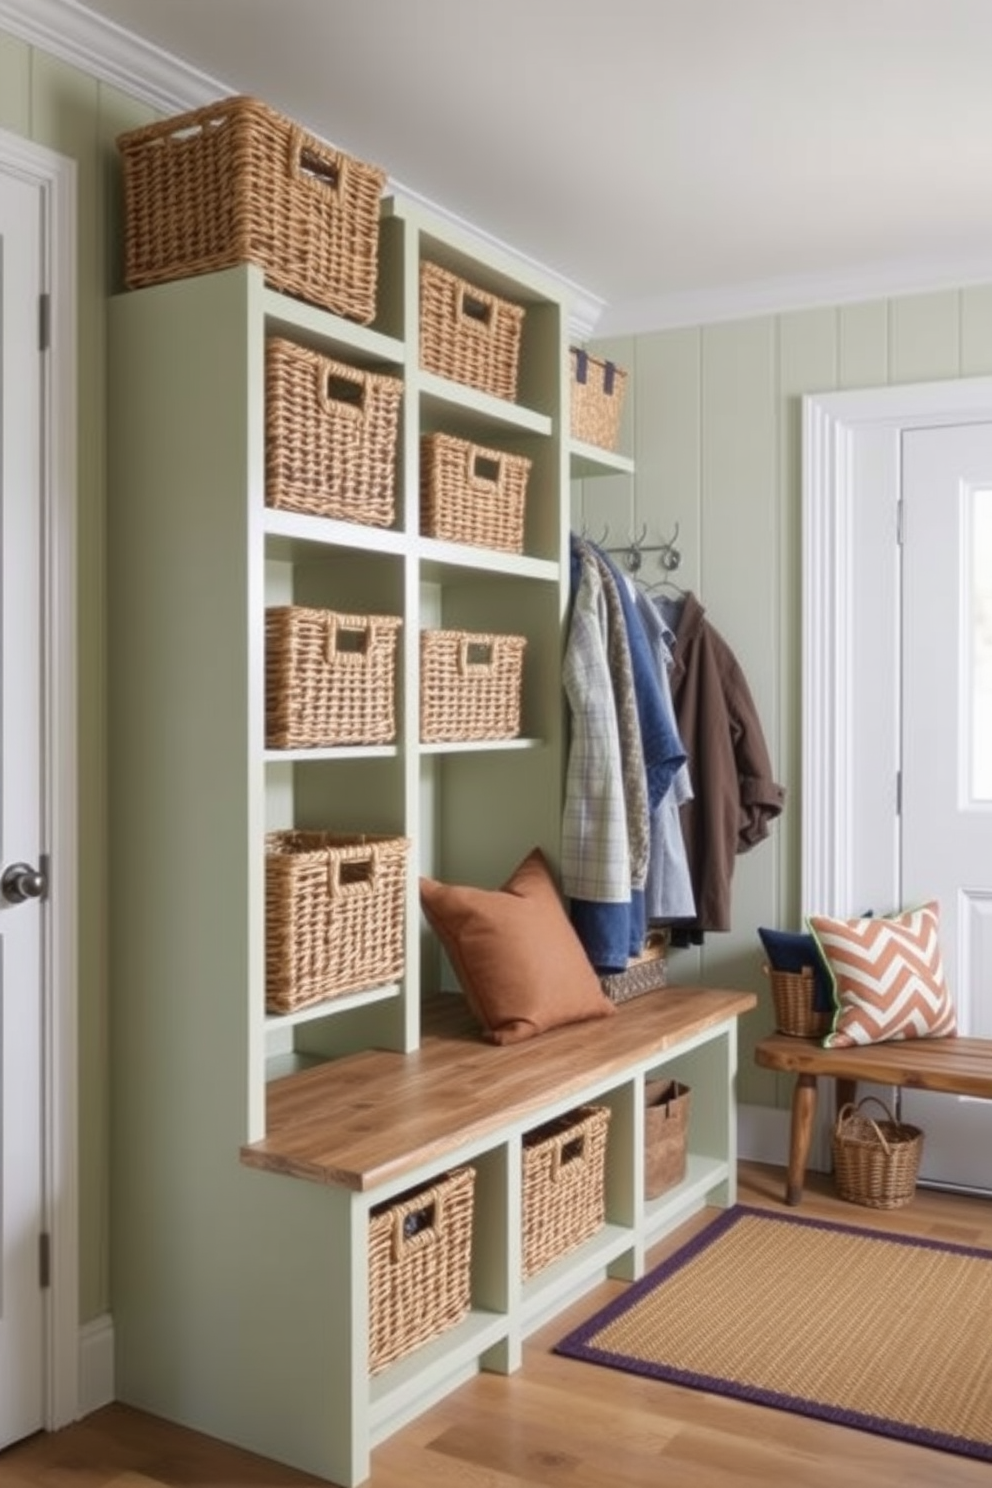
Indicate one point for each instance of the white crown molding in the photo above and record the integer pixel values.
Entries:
(67, 30)
(798, 292)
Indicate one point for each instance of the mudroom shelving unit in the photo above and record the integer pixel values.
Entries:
(240, 1205)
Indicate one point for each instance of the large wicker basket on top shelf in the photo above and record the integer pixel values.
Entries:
(470, 686)
(468, 334)
(420, 1253)
(564, 1197)
(235, 182)
(334, 915)
(330, 436)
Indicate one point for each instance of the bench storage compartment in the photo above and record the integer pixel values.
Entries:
(564, 1167)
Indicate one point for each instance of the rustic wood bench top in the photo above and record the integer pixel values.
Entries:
(365, 1119)
(955, 1066)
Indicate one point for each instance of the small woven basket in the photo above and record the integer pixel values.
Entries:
(329, 678)
(470, 494)
(330, 436)
(564, 1167)
(793, 995)
(875, 1162)
(598, 389)
(470, 685)
(334, 915)
(644, 973)
(420, 1251)
(235, 183)
(468, 334)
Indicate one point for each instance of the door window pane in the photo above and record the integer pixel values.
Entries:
(981, 645)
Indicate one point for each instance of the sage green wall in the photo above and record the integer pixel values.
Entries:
(62, 108)
(713, 419)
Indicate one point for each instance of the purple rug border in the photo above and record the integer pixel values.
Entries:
(576, 1344)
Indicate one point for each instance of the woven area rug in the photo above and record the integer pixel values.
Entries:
(885, 1333)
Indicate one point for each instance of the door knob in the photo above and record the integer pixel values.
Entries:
(20, 882)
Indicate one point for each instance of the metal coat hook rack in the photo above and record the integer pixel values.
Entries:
(633, 551)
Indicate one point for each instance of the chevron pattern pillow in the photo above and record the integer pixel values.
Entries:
(888, 977)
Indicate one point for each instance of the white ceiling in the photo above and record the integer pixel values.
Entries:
(667, 157)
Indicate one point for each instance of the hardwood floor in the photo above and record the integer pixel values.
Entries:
(558, 1423)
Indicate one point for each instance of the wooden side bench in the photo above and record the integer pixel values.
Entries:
(955, 1066)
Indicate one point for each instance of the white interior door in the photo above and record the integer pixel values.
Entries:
(22, 1355)
(947, 752)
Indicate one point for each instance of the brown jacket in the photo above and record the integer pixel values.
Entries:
(735, 796)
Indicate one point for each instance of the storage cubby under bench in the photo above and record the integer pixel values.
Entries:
(376, 1124)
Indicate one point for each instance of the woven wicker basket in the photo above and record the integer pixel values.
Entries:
(234, 183)
(334, 915)
(420, 1251)
(875, 1162)
(793, 995)
(329, 678)
(666, 1124)
(470, 686)
(598, 390)
(644, 973)
(470, 494)
(468, 334)
(330, 436)
(564, 1167)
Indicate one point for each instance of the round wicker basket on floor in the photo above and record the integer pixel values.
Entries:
(875, 1162)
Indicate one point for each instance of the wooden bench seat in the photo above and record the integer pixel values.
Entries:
(955, 1066)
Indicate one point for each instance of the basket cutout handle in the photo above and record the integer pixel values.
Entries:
(417, 1224)
(476, 656)
(484, 470)
(474, 309)
(568, 1156)
(342, 390)
(348, 640)
(350, 876)
(322, 168)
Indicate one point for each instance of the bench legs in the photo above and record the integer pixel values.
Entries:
(803, 1117)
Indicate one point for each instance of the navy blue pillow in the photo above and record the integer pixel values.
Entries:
(791, 950)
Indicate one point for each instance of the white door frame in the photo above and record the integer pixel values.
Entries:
(850, 671)
(54, 176)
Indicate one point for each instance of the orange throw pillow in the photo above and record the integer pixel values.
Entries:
(515, 953)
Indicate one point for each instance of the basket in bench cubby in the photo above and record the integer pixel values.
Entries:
(564, 1171)
(330, 678)
(334, 915)
(236, 182)
(420, 1252)
(470, 685)
(330, 436)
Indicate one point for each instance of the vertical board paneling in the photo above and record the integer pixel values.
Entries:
(925, 337)
(976, 331)
(668, 447)
(863, 352)
(15, 85)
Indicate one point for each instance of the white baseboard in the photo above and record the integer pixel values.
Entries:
(763, 1136)
(96, 1364)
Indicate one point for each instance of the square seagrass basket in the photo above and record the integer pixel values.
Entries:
(420, 1251)
(468, 334)
(793, 997)
(334, 915)
(564, 1171)
(470, 685)
(597, 394)
(471, 494)
(329, 678)
(644, 973)
(235, 182)
(875, 1162)
(330, 436)
(666, 1124)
